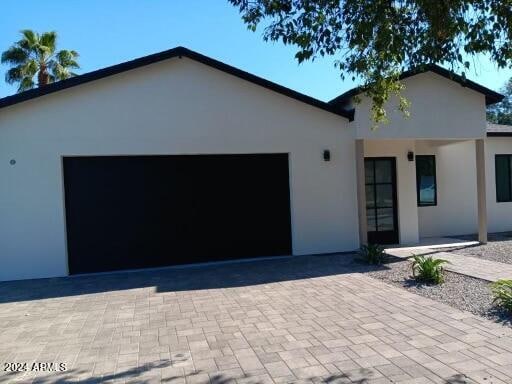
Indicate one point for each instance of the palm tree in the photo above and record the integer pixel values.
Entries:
(34, 56)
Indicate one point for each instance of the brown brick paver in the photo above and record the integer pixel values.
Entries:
(303, 319)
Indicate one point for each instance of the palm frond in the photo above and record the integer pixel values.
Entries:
(30, 39)
(31, 67)
(67, 58)
(26, 83)
(49, 40)
(47, 44)
(14, 55)
(58, 72)
(51, 78)
(13, 75)
(16, 74)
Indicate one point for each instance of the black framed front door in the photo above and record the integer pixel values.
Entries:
(381, 200)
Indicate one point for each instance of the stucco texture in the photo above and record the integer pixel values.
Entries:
(177, 106)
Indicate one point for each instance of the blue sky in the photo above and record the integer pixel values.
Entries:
(107, 32)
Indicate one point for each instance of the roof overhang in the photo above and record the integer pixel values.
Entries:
(491, 97)
(499, 134)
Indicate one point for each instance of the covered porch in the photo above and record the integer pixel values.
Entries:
(414, 189)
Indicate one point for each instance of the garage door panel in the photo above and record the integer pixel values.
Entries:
(128, 212)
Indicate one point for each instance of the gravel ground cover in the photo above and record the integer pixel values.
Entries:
(498, 248)
(459, 291)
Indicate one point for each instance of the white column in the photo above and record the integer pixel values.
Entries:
(480, 187)
(361, 192)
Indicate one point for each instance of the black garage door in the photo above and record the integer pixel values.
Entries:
(125, 212)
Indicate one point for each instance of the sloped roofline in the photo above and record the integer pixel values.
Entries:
(499, 130)
(491, 97)
(161, 56)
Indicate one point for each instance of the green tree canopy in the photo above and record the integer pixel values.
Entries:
(376, 40)
(501, 113)
(35, 56)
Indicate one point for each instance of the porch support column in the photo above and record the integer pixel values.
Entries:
(480, 188)
(361, 192)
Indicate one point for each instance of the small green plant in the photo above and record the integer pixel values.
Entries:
(372, 253)
(428, 269)
(502, 292)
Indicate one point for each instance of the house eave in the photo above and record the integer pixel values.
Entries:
(491, 97)
(157, 57)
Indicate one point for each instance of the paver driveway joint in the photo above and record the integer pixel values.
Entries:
(300, 319)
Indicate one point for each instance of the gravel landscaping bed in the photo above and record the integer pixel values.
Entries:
(459, 291)
(498, 248)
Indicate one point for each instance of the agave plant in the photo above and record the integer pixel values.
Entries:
(428, 269)
(502, 292)
(35, 56)
(372, 253)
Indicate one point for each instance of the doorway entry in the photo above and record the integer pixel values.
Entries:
(381, 200)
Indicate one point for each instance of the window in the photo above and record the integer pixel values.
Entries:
(503, 165)
(426, 185)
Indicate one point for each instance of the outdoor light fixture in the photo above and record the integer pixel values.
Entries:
(327, 155)
(410, 156)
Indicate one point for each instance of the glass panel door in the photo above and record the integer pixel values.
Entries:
(381, 202)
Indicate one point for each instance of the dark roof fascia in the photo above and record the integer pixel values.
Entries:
(491, 97)
(499, 134)
(157, 57)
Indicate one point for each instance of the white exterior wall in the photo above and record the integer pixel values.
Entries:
(174, 107)
(406, 183)
(440, 109)
(499, 215)
(444, 115)
(456, 209)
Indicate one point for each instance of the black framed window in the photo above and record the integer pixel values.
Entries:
(426, 184)
(503, 165)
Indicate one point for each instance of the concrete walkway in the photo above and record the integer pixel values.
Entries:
(465, 265)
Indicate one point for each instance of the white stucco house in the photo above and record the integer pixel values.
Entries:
(176, 158)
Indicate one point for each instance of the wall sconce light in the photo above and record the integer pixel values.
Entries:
(327, 155)
(12, 162)
(410, 156)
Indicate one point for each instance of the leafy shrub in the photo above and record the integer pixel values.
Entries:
(372, 253)
(428, 269)
(502, 292)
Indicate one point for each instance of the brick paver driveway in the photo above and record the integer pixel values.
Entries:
(289, 320)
